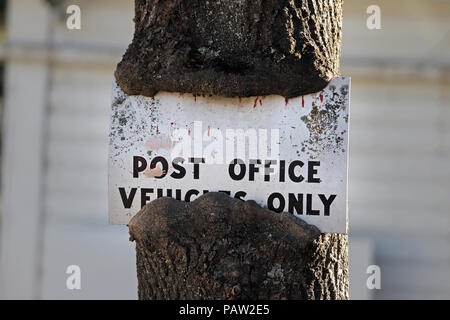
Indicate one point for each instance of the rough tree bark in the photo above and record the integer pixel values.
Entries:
(218, 247)
(232, 47)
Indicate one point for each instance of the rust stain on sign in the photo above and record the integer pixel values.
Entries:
(286, 154)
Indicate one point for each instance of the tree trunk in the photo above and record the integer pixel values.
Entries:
(232, 47)
(218, 247)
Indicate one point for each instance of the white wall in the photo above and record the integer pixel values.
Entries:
(55, 167)
(399, 176)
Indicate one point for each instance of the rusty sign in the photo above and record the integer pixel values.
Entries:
(286, 154)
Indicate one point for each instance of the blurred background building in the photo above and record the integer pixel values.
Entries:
(55, 89)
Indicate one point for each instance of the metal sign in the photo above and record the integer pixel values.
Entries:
(289, 155)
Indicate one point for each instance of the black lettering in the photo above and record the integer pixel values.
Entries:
(327, 203)
(292, 175)
(144, 196)
(189, 194)
(196, 162)
(127, 201)
(181, 170)
(282, 170)
(252, 169)
(232, 171)
(312, 171)
(268, 169)
(139, 165)
(160, 193)
(309, 210)
(165, 166)
(240, 195)
(295, 203)
(281, 201)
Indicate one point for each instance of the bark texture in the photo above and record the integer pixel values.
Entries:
(218, 247)
(232, 47)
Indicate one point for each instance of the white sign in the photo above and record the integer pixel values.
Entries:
(286, 154)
